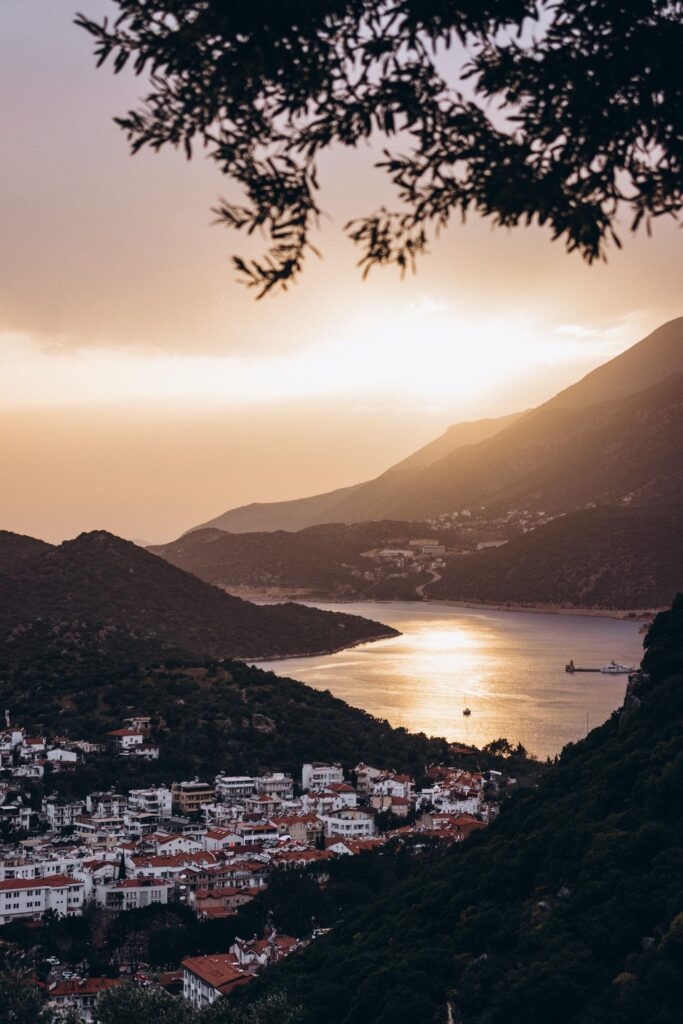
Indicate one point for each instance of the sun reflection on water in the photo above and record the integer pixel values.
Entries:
(507, 667)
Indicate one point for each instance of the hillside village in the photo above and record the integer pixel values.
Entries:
(211, 847)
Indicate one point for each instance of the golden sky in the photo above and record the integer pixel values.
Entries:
(143, 390)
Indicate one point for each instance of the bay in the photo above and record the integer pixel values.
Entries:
(506, 666)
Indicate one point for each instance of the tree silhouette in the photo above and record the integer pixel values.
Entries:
(562, 113)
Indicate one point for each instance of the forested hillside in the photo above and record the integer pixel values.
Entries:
(567, 910)
(101, 579)
(616, 557)
(206, 716)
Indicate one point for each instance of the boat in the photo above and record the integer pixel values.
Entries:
(615, 669)
(466, 711)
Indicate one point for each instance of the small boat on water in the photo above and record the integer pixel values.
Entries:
(466, 711)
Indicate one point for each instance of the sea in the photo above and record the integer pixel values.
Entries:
(507, 667)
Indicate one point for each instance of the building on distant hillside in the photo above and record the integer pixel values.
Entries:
(276, 784)
(124, 739)
(30, 898)
(132, 893)
(351, 823)
(207, 978)
(79, 994)
(319, 776)
(188, 797)
(234, 788)
(155, 800)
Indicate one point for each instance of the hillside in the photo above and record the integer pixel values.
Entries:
(16, 548)
(568, 909)
(99, 578)
(208, 717)
(523, 458)
(595, 558)
(324, 560)
(360, 501)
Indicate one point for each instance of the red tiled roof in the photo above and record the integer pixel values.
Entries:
(81, 986)
(47, 882)
(220, 970)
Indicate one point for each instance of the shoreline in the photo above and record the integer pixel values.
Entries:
(642, 615)
(319, 654)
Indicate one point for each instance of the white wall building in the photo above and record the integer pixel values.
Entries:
(32, 897)
(319, 776)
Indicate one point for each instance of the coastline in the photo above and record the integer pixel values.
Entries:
(318, 654)
(272, 596)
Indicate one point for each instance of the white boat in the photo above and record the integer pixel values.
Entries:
(615, 669)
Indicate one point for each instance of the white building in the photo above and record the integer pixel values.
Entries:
(132, 893)
(320, 776)
(30, 898)
(276, 784)
(207, 978)
(155, 800)
(351, 823)
(234, 788)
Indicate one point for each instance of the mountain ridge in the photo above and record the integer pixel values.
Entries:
(100, 578)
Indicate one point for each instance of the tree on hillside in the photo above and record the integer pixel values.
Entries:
(561, 113)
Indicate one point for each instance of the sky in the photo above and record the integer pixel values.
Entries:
(143, 390)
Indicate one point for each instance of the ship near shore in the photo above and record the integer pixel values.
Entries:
(613, 668)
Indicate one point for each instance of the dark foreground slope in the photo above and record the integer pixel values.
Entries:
(612, 557)
(567, 910)
(207, 717)
(99, 578)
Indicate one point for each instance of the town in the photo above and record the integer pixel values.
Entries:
(211, 848)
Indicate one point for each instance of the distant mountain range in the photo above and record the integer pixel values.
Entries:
(605, 455)
(324, 561)
(559, 455)
(359, 502)
(142, 603)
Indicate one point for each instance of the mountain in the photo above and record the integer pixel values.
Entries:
(523, 445)
(610, 557)
(99, 578)
(567, 909)
(15, 548)
(324, 560)
(360, 501)
(560, 459)
(650, 361)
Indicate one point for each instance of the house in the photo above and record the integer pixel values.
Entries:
(276, 784)
(79, 994)
(223, 901)
(188, 797)
(316, 775)
(304, 829)
(365, 776)
(132, 893)
(125, 739)
(353, 823)
(234, 788)
(207, 978)
(58, 755)
(30, 898)
(347, 794)
(155, 800)
(260, 953)
(61, 814)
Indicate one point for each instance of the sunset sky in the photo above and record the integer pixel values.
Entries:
(143, 390)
